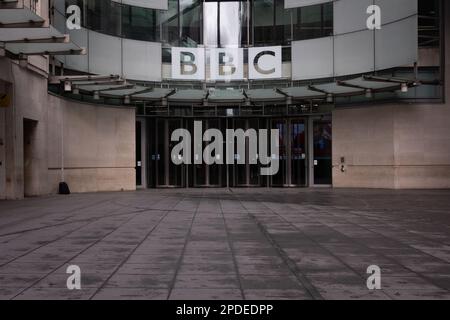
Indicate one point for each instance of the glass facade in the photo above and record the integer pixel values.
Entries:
(429, 23)
(313, 22)
(219, 23)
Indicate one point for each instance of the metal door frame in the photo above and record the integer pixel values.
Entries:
(144, 151)
(311, 157)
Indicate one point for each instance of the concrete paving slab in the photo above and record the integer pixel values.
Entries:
(228, 244)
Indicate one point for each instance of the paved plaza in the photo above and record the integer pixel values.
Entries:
(227, 244)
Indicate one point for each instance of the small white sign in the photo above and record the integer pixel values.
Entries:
(188, 63)
(264, 63)
(227, 64)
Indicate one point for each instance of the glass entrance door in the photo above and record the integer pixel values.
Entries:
(165, 172)
(246, 175)
(305, 155)
(322, 152)
(293, 153)
(280, 179)
(298, 152)
(204, 175)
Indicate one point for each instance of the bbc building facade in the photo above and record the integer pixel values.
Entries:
(92, 91)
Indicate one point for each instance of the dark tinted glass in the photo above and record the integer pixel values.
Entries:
(140, 24)
(313, 21)
(222, 23)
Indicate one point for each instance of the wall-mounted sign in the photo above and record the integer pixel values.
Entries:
(226, 64)
(264, 63)
(188, 63)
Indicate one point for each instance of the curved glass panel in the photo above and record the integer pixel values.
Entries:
(191, 22)
(140, 24)
(220, 23)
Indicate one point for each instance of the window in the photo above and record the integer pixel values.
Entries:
(231, 18)
(191, 22)
(225, 23)
(263, 22)
(210, 27)
(104, 17)
(169, 23)
(139, 23)
(283, 30)
(313, 21)
(429, 23)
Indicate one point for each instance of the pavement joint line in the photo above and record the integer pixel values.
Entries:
(131, 253)
(138, 209)
(401, 242)
(73, 257)
(318, 243)
(353, 233)
(89, 221)
(65, 235)
(71, 222)
(84, 206)
(180, 259)
(378, 251)
(230, 245)
(302, 279)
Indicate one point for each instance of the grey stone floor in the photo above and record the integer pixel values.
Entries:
(227, 244)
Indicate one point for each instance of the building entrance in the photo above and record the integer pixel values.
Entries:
(304, 157)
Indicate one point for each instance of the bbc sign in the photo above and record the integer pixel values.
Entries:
(226, 64)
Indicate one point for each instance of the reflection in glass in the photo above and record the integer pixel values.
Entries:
(160, 156)
(175, 173)
(322, 135)
(313, 21)
(280, 178)
(190, 23)
(298, 153)
(254, 169)
(240, 169)
(231, 15)
(104, 17)
(139, 23)
(169, 23)
(191, 13)
(263, 21)
(283, 32)
(210, 30)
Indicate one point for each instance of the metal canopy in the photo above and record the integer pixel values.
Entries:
(23, 33)
(43, 48)
(99, 88)
(300, 93)
(190, 95)
(335, 89)
(117, 87)
(226, 96)
(265, 95)
(368, 84)
(155, 95)
(124, 92)
(45, 34)
(19, 17)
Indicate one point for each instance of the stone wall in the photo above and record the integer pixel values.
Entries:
(395, 145)
(99, 141)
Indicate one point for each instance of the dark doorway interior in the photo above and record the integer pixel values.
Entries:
(301, 142)
(138, 154)
(30, 170)
(322, 141)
